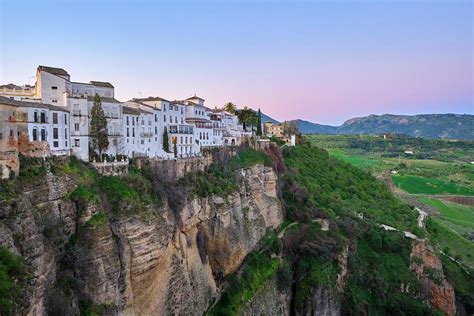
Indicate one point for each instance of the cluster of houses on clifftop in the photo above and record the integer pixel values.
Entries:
(53, 118)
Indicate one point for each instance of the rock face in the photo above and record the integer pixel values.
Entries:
(427, 266)
(324, 302)
(269, 300)
(166, 264)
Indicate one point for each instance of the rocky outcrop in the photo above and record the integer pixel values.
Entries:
(138, 265)
(323, 301)
(427, 266)
(269, 300)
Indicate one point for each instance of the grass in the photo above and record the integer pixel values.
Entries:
(420, 185)
(449, 241)
(248, 157)
(98, 219)
(458, 217)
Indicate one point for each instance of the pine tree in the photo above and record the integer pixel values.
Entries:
(166, 143)
(98, 127)
(259, 123)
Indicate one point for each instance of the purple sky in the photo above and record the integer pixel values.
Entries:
(319, 61)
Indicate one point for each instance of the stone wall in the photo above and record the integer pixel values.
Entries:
(116, 168)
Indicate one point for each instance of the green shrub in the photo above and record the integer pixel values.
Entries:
(12, 277)
(98, 219)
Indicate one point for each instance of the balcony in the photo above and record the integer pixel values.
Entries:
(76, 112)
(114, 133)
(146, 134)
(180, 129)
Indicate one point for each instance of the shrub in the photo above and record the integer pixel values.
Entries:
(98, 219)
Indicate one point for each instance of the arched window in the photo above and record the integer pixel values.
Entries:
(35, 134)
(43, 134)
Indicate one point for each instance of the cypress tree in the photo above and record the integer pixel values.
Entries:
(98, 127)
(259, 123)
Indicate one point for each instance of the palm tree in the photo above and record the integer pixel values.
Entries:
(230, 107)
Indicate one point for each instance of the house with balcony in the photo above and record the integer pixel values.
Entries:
(32, 129)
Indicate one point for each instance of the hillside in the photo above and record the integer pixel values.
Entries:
(453, 126)
(243, 233)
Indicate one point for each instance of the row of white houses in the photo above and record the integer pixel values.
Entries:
(56, 111)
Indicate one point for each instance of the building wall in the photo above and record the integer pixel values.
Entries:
(79, 127)
(50, 88)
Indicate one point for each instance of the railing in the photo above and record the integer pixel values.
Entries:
(146, 134)
(114, 133)
(76, 112)
(173, 129)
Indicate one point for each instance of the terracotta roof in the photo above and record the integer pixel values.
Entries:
(8, 101)
(104, 99)
(53, 70)
(129, 110)
(14, 86)
(102, 84)
(197, 119)
(195, 97)
(135, 101)
(151, 99)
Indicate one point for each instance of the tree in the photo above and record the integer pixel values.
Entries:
(166, 143)
(247, 117)
(98, 127)
(290, 128)
(230, 107)
(259, 123)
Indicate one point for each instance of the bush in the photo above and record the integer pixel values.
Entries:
(98, 219)
(12, 278)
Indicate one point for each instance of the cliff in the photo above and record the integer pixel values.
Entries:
(138, 264)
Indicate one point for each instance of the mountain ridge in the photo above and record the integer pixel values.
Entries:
(449, 125)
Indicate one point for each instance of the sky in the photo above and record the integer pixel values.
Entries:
(322, 61)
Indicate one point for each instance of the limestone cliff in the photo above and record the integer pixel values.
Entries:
(427, 266)
(136, 265)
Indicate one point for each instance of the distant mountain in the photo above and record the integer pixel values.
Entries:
(266, 118)
(455, 126)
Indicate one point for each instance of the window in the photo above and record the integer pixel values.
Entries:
(55, 118)
(65, 133)
(11, 133)
(65, 143)
(133, 132)
(55, 133)
(43, 134)
(128, 132)
(181, 140)
(35, 134)
(54, 101)
(164, 118)
(35, 117)
(65, 118)
(76, 126)
(182, 121)
(156, 117)
(164, 108)
(128, 123)
(55, 144)
(176, 119)
(77, 143)
(156, 130)
(43, 117)
(54, 88)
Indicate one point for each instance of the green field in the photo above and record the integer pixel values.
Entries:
(419, 185)
(458, 218)
(437, 167)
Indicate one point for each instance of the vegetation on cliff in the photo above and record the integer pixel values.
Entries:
(220, 178)
(13, 282)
